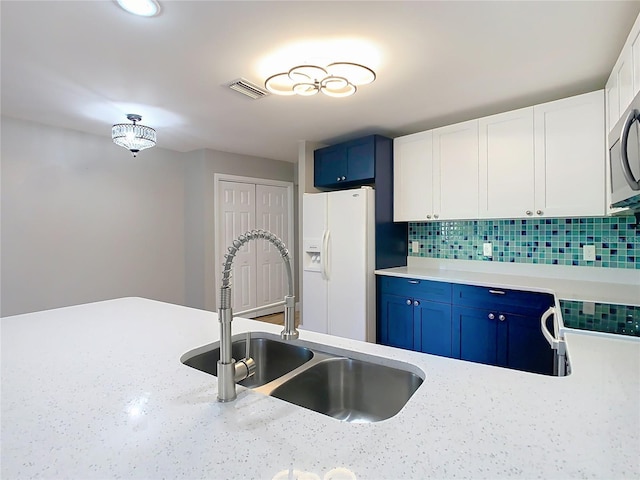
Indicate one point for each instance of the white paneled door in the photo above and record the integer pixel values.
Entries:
(258, 276)
(238, 213)
(272, 214)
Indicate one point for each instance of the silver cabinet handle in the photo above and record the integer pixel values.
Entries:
(416, 303)
(497, 292)
(491, 316)
(343, 178)
(408, 302)
(529, 212)
(539, 212)
(429, 217)
(414, 282)
(502, 318)
(338, 179)
(436, 216)
(624, 158)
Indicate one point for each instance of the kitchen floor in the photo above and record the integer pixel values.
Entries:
(277, 319)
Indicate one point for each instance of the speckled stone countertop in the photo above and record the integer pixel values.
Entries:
(98, 391)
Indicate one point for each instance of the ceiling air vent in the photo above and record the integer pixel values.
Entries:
(247, 88)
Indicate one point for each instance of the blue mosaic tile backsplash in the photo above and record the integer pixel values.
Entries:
(624, 320)
(556, 241)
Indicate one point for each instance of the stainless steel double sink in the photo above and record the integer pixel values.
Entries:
(342, 384)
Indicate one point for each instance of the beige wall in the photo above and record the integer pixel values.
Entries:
(199, 213)
(83, 221)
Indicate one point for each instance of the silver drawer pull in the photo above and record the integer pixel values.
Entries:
(415, 282)
(497, 292)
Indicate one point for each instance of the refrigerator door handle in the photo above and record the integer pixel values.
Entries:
(324, 263)
(326, 244)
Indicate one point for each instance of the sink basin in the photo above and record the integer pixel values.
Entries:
(319, 377)
(350, 390)
(273, 359)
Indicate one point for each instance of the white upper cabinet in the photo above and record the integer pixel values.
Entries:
(455, 159)
(506, 183)
(570, 156)
(542, 161)
(624, 81)
(635, 58)
(413, 177)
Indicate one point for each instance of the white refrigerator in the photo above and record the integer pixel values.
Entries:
(338, 283)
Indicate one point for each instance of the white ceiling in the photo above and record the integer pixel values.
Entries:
(84, 65)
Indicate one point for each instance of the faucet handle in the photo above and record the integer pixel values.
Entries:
(247, 352)
(289, 332)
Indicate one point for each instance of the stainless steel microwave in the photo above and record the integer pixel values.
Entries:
(624, 158)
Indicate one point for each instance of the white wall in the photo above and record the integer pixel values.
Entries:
(199, 213)
(84, 221)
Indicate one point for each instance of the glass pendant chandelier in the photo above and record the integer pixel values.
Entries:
(132, 136)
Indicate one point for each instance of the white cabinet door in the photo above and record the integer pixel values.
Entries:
(455, 158)
(413, 177)
(506, 184)
(625, 81)
(635, 60)
(612, 102)
(570, 156)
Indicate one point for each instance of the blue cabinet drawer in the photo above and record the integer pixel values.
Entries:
(501, 299)
(410, 287)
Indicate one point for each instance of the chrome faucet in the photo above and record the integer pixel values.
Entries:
(231, 371)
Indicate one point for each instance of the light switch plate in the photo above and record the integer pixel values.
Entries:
(415, 247)
(487, 249)
(589, 252)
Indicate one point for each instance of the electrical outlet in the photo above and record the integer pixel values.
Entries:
(487, 249)
(415, 247)
(589, 253)
(588, 308)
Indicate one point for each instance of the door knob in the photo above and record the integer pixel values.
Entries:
(502, 318)
(416, 303)
(529, 212)
(491, 316)
(428, 217)
(408, 302)
(539, 212)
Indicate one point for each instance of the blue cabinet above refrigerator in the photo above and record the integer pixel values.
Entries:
(351, 163)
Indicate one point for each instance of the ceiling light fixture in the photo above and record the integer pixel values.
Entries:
(335, 80)
(132, 136)
(144, 8)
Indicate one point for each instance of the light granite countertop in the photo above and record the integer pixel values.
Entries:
(618, 286)
(98, 391)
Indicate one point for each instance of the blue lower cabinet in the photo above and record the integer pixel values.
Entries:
(526, 347)
(415, 324)
(479, 324)
(479, 336)
(433, 325)
(396, 322)
(504, 339)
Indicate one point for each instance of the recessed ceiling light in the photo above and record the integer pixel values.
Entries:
(144, 8)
